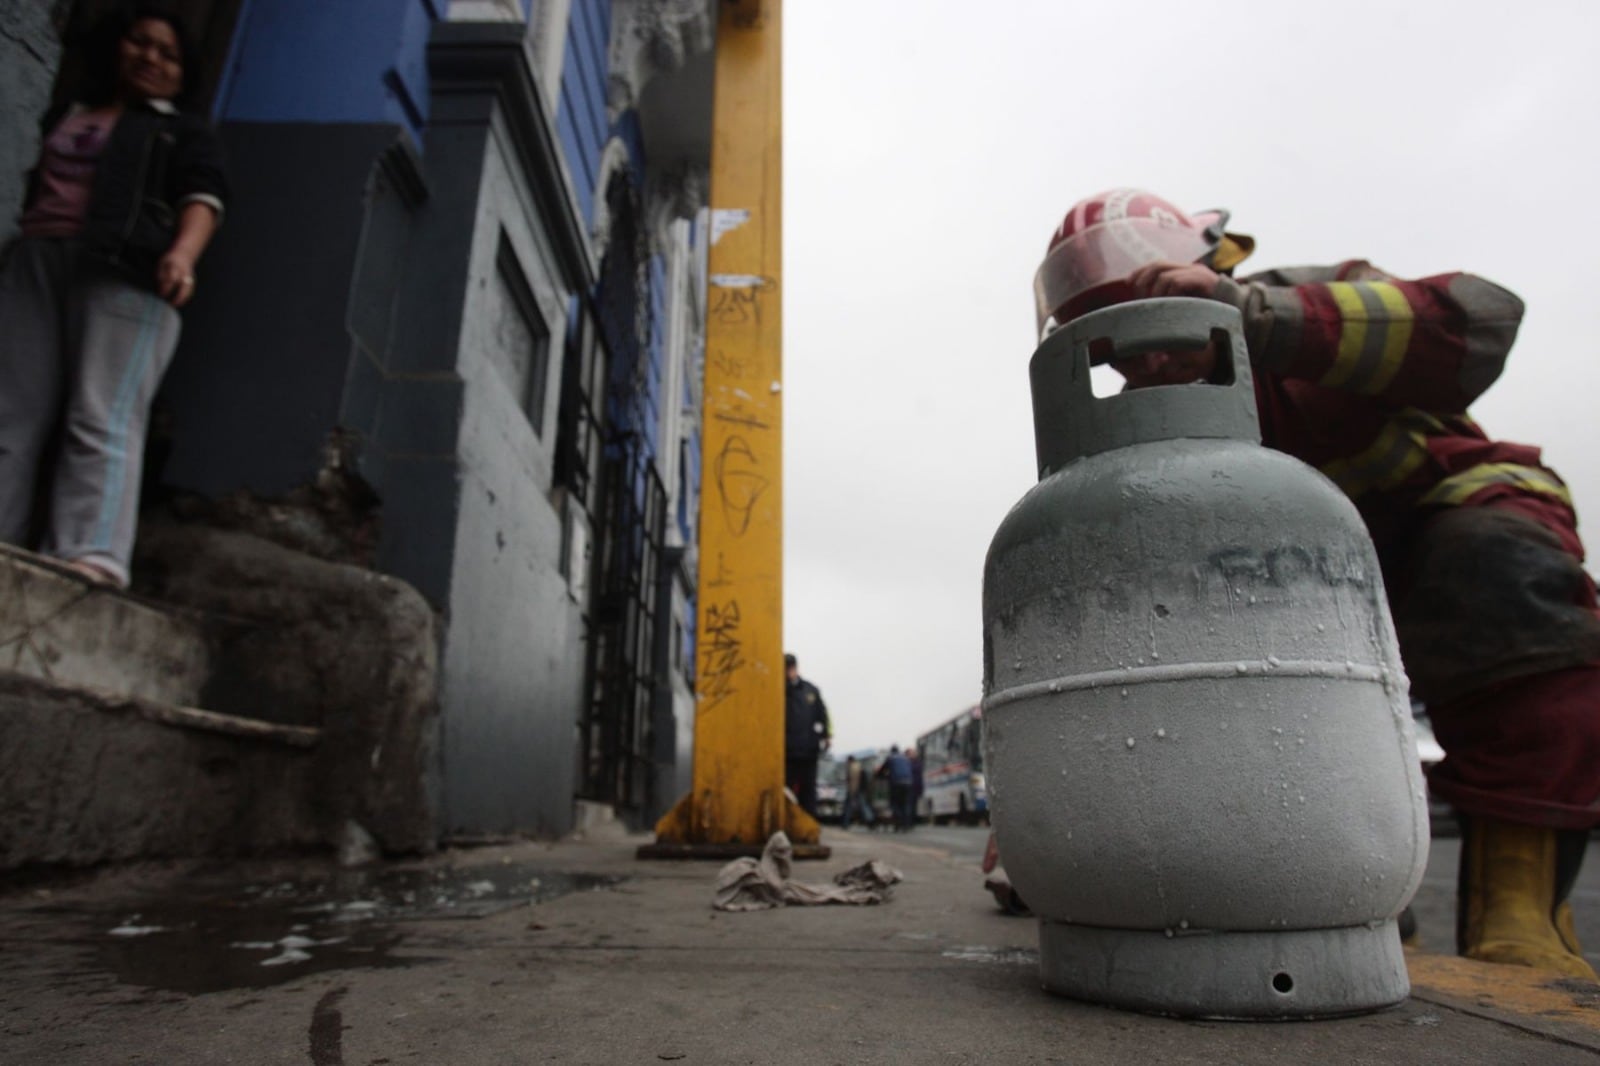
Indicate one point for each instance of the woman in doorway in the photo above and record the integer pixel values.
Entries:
(124, 199)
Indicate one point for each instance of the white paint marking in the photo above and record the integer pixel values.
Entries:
(725, 220)
(738, 281)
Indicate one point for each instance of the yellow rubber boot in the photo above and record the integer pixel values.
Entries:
(1509, 909)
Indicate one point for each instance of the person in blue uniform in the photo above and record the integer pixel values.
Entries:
(806, 735)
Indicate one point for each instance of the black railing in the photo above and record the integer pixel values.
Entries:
(625, 613)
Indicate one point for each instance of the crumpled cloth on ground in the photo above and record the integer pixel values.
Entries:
(756, 884)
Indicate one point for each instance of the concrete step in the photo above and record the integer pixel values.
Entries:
(105, 753)
(89, 775)
(58, 626)
(254, 698)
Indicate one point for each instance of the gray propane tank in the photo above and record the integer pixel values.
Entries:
(1202, 772)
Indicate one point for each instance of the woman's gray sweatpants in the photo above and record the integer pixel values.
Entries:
(81, 354)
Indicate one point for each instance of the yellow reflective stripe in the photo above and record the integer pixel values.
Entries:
(1374, 331)
(1397, 336)
(1416, 418)
(1459, 488)
(1393, 456)
(1352, 333)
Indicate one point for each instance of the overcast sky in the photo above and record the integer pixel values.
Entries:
(930, 149)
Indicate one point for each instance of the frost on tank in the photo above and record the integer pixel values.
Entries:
(1168, 571)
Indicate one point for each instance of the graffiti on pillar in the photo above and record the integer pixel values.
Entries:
(722, 576)
(721, 651)
(738, 417)
(729, 366)
(738, 298)
(739, 485)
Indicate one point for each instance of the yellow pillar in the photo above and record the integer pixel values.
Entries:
(736, 799)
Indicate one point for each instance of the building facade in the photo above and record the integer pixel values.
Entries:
(464, 265)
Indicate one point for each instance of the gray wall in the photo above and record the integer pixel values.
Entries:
(340, 297)
(394, 304)
(29, 54)
(513, 669)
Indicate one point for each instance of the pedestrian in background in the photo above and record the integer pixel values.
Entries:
(806, 735)
(897, 770)
(856, 783)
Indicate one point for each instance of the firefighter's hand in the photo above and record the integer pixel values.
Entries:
(1174, 279)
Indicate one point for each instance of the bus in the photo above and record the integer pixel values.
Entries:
(952, 770)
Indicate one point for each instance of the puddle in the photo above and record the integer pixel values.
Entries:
(417, 895)
(209, 945)
(208, 936)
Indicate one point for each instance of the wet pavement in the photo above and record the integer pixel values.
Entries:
(578, 952)
(224, 929)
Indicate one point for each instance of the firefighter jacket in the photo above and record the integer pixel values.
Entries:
(1368, 378)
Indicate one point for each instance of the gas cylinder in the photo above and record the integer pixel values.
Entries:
(1202, 772)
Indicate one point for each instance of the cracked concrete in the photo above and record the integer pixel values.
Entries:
(29, 53)
(260, 699)
(85, 781)
(55, 625)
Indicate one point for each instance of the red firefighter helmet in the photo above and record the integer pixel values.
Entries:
(1108, 236)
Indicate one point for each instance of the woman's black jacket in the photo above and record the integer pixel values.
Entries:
(156, 161)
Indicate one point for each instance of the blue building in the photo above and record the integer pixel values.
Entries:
(464, 266)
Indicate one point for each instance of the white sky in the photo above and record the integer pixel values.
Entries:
(931, 147)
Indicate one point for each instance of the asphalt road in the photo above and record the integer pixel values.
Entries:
(1434, 905)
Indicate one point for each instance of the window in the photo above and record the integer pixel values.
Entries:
(579, 441)
(519, 342)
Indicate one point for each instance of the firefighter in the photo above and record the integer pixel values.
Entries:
(1368, 378)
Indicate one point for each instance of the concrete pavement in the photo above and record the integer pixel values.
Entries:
(622, 961)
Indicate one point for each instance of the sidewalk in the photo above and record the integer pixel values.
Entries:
(448, 963)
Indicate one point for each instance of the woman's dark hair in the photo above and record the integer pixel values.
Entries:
(101, 58)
